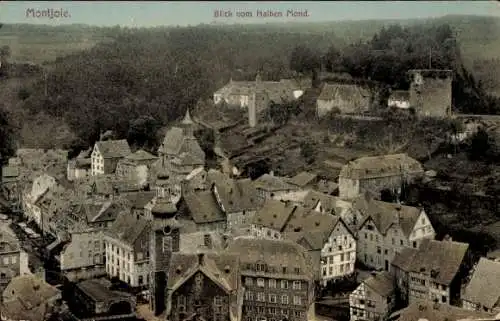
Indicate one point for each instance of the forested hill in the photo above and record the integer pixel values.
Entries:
(135, 80)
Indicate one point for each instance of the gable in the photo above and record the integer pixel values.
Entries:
(369, 225)
(303, 242)
(96, 151)
(340, 229)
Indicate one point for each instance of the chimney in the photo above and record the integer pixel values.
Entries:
(201, 257)
(448, 238)
(398, 214)
(271, 173)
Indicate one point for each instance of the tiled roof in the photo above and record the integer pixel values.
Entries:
(235, 195)
(273, 183)
(276, 254)
(302, 179)
(400, 95)
(100, 291)
(384, 214)
(203, 207)
(113, 148)
(381, 283)
(484, 287)
(192, 242)
(306, 220)
(278, 91)
(26, 298)
(221, 268)
(329, 204)
(381, 166)
(140, 199)
(425, 310)
(176, 142)
(172, 141)
(441, 259)
(140, 155)
(274, 214)
(344, 91)
(128, 228)
(163, 206)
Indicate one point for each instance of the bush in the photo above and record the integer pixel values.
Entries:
(23, 93)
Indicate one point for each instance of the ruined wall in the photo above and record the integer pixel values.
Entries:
(432, 97)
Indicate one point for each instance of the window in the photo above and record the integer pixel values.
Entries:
(324, 271)
(366, 235)
(330, 270)
(423, 220)
(414, 244)
(272, 283)
(393, 241)
(443, 298)
(181, 300)
(379, 250)
(342, 257)
(272, 298)
(261, 296)
(249, 295)
(401, 242)
(284, 311)
(140, 280)
(297, 300)
(284, 299)
(386, 251)
(260, 283)
(297, 270)
(272, 310)
(284, 284)
(248, 281)
(296, 285)
(218, 300)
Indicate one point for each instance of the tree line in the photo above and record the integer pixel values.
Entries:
(146, 78)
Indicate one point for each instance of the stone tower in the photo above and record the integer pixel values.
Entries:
(431, 92)
(164, 240)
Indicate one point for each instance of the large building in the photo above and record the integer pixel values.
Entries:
(387, 229)
(376, 174)
(344, 98)
(433, 272)
(483, 293)
(373, 299)
(106, 154)
(278, 279)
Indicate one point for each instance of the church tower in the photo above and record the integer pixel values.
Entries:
(188, 124)
(164, 240)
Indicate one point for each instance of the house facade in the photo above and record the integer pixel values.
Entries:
(345, 98)
(399, 99)
(13, 260)
(204, 285)
(277, 278)
(136, 166)
(387, 229)
(270, 221)
(433, 272)
(376, 174)
(373, 299)
(269, 186)
(106, 154)
(127, 250)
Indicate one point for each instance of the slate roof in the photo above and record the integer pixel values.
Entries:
(203, 207)
(329, 204)
(483, 287)
(381, 166)
(442, 257)
(140, 199)
(403, 95)
(140, 155)
(306, 220)
(127, 228)
(163, 206)
(385, 214)
(176, 142)
(274, 214)
(439, 312)
(113, 148)
(344, 91)
(276, 254)
(27, 295)
(278, 91)
(99, 290)
(302, 179)
(273, 183)
(172, 141)
(235, 195)
(106, 211)
(381, 283)
(221, 268)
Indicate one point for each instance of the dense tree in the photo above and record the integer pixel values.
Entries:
(304, 60)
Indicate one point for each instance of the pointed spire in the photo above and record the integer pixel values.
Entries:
(187, 118)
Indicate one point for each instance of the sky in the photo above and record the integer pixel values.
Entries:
(149, 14)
